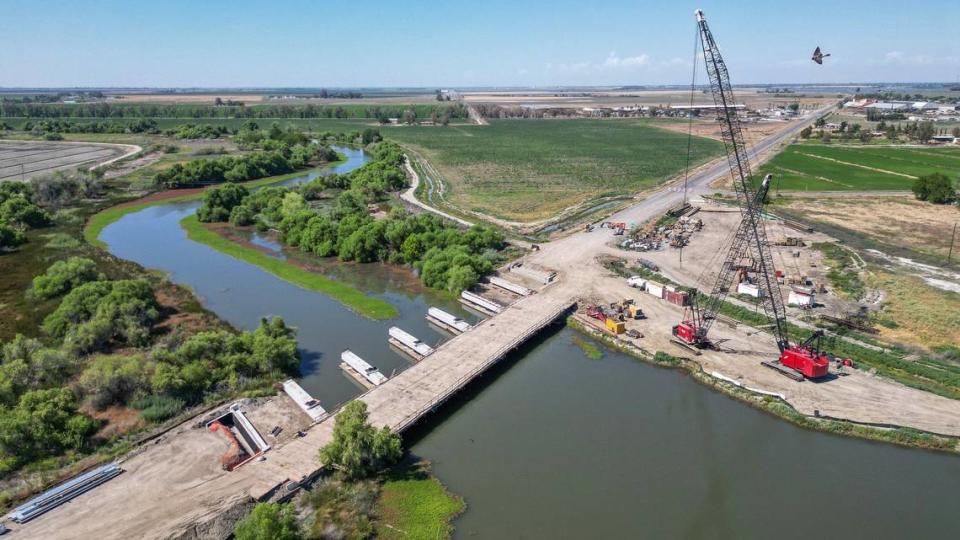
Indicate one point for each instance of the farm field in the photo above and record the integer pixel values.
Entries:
(526, 170)
(816, 167)
(24, 160)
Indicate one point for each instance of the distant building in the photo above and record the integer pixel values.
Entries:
(887, 106)
(946, 139)
(858, 104)
(924, 106)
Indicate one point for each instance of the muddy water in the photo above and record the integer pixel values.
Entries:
(554, 445)
(241, 294)
(561, 446)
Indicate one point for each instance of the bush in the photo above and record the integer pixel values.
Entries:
(101, 312)
(10, 237)
(269, 521)
(63, 276)
(935, 188)
(158, 408)
(112, 380)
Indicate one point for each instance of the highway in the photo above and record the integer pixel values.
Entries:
(668, 196)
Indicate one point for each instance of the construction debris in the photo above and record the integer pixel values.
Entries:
(651, 236)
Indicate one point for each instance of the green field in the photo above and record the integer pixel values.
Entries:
(815, 167)
(528, 170)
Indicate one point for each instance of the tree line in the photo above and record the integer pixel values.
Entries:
(275, 151)
(444, 256)
(187, 110)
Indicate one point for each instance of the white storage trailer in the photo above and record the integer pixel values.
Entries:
(447, 320)
(749, 289)
(655, 289)
(365, 370)
(800, 298)
(410, 341)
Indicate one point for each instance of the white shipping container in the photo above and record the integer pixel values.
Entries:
(655, 289)
(749, 289)
(796, 298)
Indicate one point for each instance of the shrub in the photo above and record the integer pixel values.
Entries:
(112, 380)
(269, 521)
(158, 408)
(100, 312)
(63, 276)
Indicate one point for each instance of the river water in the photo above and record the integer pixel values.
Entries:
(552, 444)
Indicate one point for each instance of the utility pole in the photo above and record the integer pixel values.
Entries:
(952, 238)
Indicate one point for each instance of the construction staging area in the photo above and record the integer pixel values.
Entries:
(22, 160)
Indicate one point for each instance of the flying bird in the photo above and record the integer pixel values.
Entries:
(819, 56)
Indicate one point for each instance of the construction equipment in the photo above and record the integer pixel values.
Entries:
(615, 327)
(749, 241)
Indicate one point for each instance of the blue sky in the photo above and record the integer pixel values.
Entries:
(333, 43)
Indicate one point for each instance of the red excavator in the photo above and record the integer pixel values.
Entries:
(749, 244)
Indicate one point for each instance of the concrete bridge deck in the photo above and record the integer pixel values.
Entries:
(176, 489)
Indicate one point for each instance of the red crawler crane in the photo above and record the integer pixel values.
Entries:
(749, 243)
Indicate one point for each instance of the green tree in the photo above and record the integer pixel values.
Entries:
(63, 276)
(357, 449)
(806, 132)
(924, 132)
(935, 188)
(269, 521)
(43, 423)
(218, 202)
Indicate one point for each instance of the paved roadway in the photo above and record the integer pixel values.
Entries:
(671, 195)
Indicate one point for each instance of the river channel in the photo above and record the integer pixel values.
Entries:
(552, 444)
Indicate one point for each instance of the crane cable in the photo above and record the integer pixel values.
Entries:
(693, 87)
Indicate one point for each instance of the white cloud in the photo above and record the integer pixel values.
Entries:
(615, 61)
(902, 59)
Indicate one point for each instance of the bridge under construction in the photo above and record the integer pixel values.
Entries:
(162, 502)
